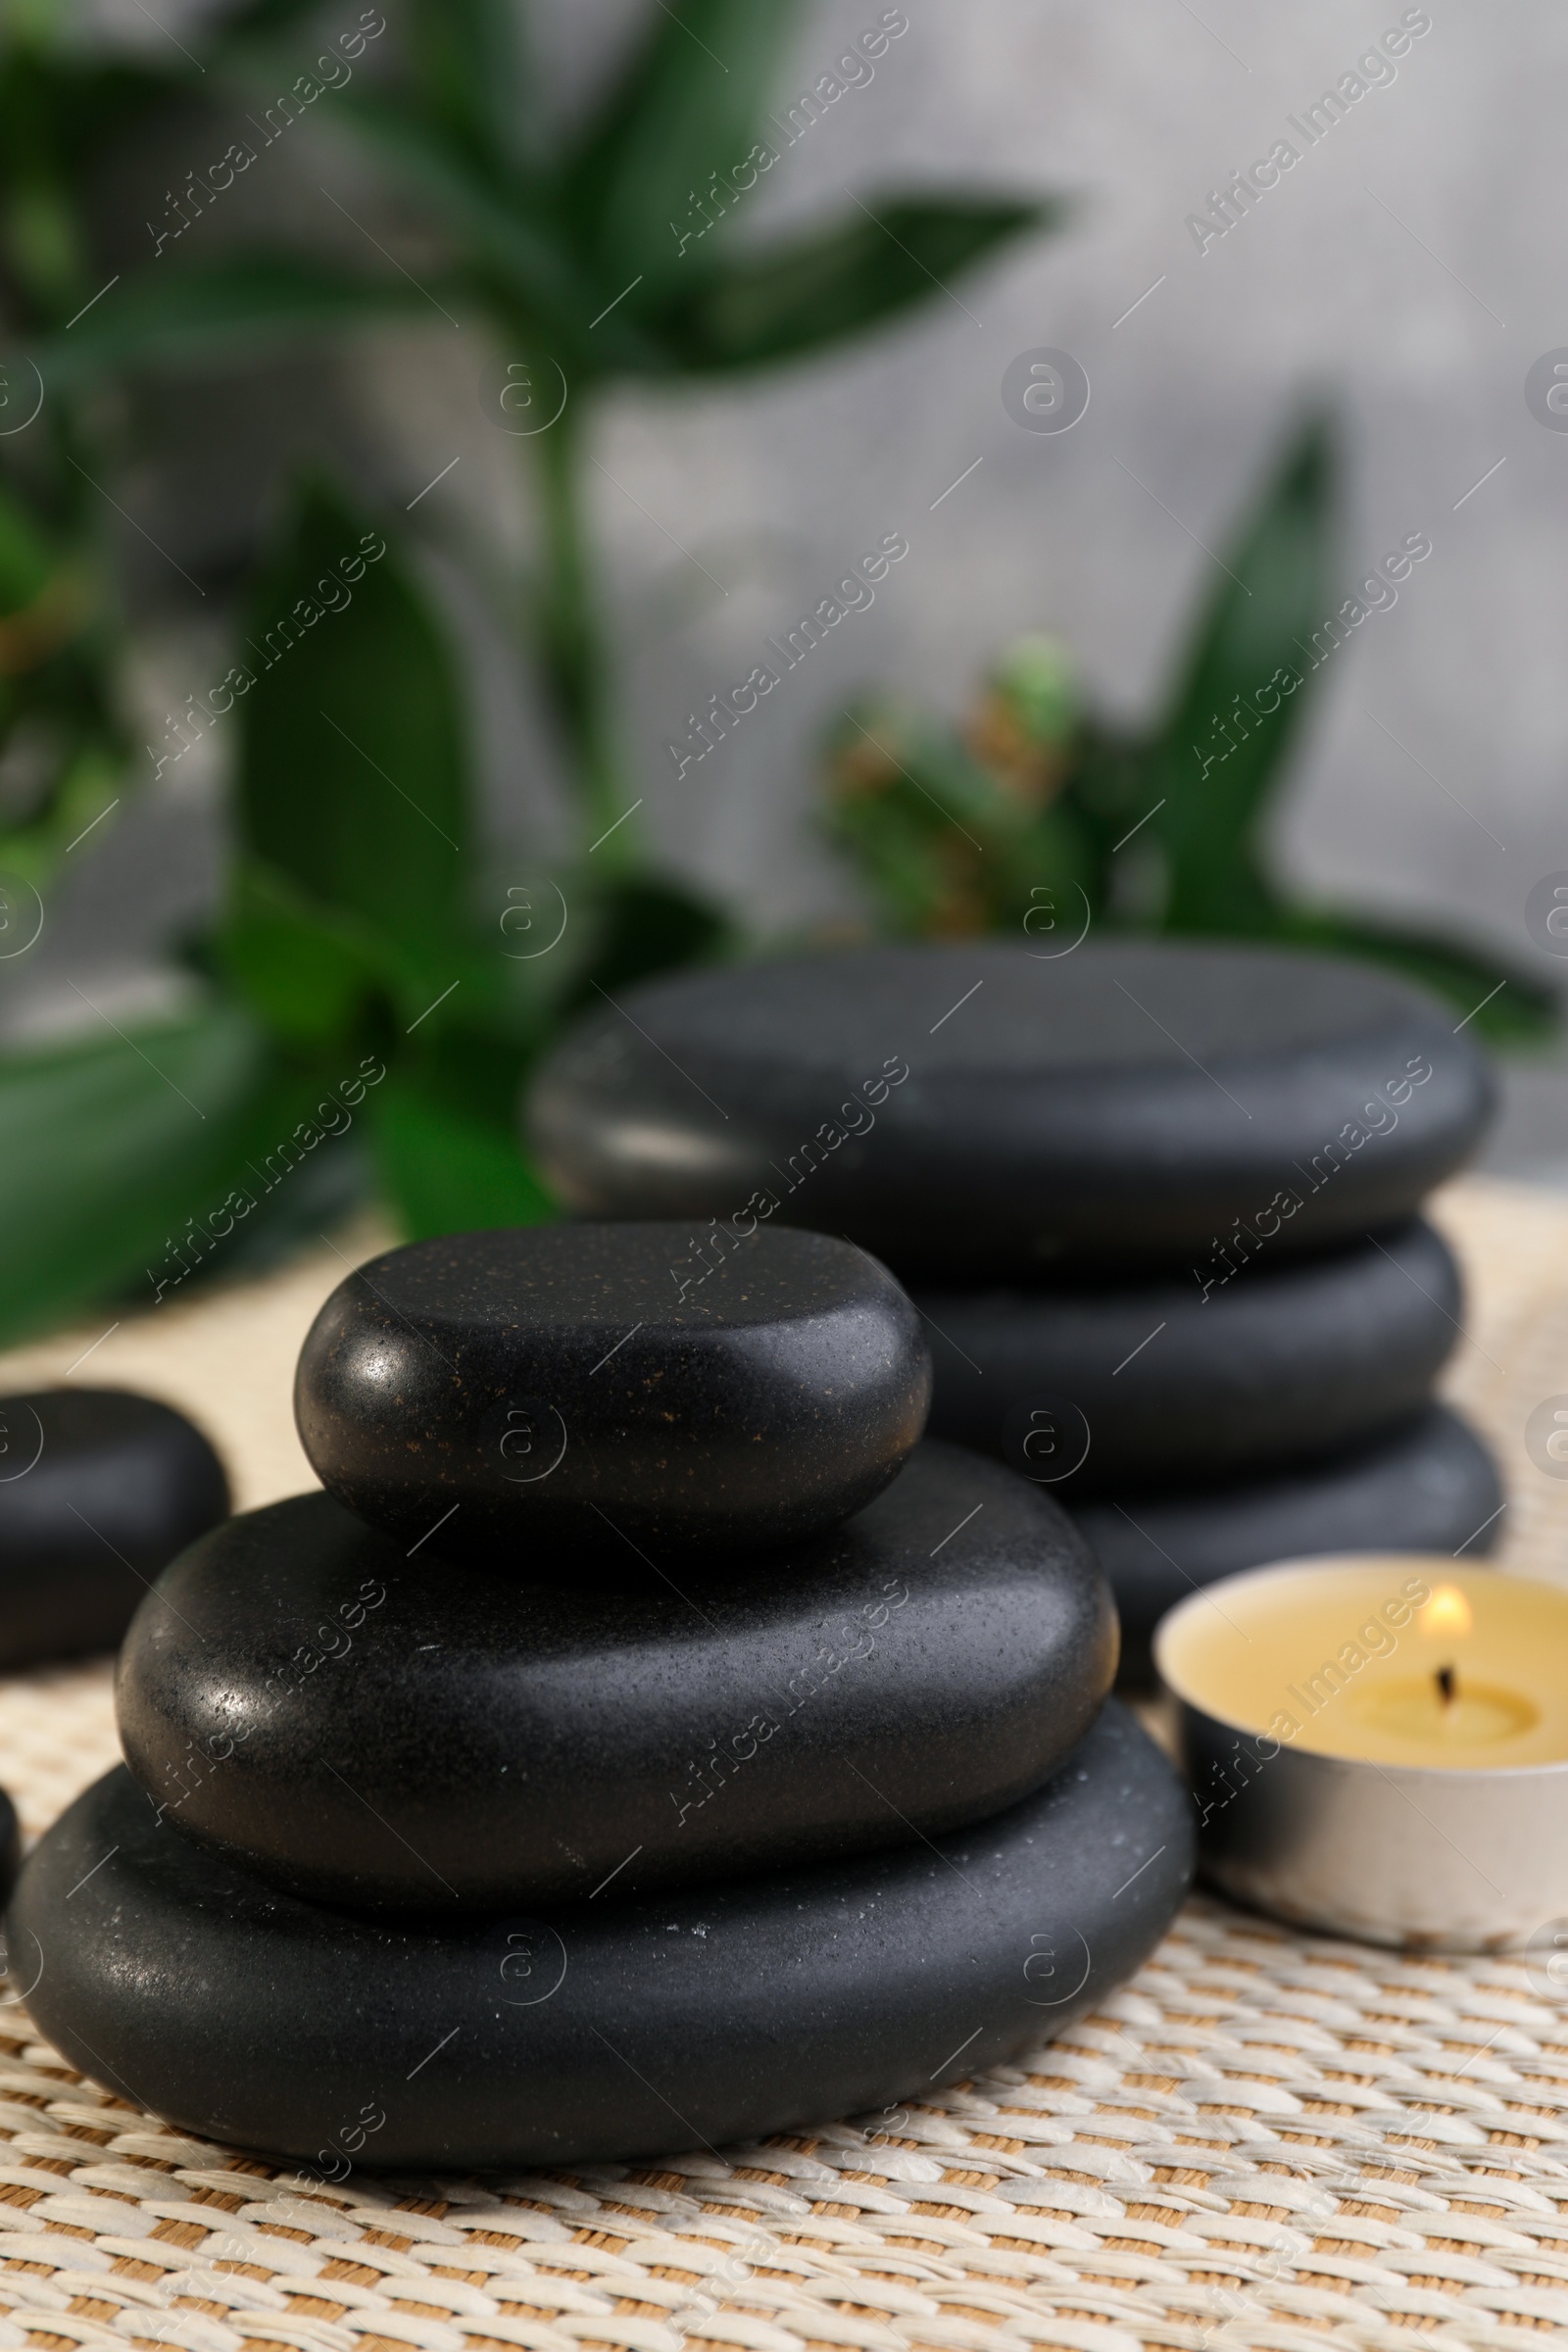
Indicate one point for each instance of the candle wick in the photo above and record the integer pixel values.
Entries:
(1448, 1684)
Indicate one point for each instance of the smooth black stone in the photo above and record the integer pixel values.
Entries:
(469, 1739)
(1166, 1384)
(99, 1489)
(9, 1847)
(611, 1385)
(1430, 1487)
(615, 2028)
(1122, 1104)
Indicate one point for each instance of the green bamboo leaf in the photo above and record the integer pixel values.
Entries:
(1242, 693)
(469, 61)
(27, 561)
(795, 295)
(690, 104)
(309, 971)
(172, 315)
(179, 1110)
(635, 927)
(447, 1170)
(1497, 998)
(505, 226)
(353, 775)
(64, 101)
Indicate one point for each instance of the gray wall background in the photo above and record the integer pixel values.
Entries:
(1409, 270)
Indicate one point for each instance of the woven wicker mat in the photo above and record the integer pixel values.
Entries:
(1265, 2140)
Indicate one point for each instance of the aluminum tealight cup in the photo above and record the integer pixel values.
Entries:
(1433, 1856)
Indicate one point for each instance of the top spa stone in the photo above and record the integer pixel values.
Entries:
(612, 1386)
(970, 1111)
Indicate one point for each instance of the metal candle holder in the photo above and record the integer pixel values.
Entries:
(1421, 1857)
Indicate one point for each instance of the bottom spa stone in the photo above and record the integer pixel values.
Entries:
(603, 2030)
(1431, 1487)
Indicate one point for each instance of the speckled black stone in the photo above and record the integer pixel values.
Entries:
(606, 2029)
(611, 1385)
(1431, 1486)
(469, 1738)
(1122, 1104)
(9, 1847)
(99, 1489)
(1168, 1385)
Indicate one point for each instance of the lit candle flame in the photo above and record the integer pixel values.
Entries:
(1447, 1614)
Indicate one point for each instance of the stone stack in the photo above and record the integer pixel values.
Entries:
(645, 1740)
(1157, 1204)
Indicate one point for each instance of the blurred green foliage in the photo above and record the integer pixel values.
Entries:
(378, 981)
(572, 255)
(375, 972)
(1038, 813)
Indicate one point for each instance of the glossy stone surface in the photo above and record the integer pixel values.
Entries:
(381, 1732)
(1154, 1384)
(1431, 1486)
(99, 1489)
(611, 1385)
(613, 2029)
(981, 1111)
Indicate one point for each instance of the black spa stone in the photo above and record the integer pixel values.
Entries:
(99, 1489)
(981, 1111)
(1164, 1383)
(1431, 1486)
(386, 1733)
(614, 1387)
(613, 2028)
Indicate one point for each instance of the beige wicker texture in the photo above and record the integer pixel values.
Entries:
(1265, 2140)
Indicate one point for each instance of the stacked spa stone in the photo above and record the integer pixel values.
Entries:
(1156, 1202)
(646, 1738)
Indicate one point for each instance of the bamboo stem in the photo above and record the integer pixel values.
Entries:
(574, 654)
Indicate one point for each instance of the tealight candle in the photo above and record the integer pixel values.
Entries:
(1380, 1745)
